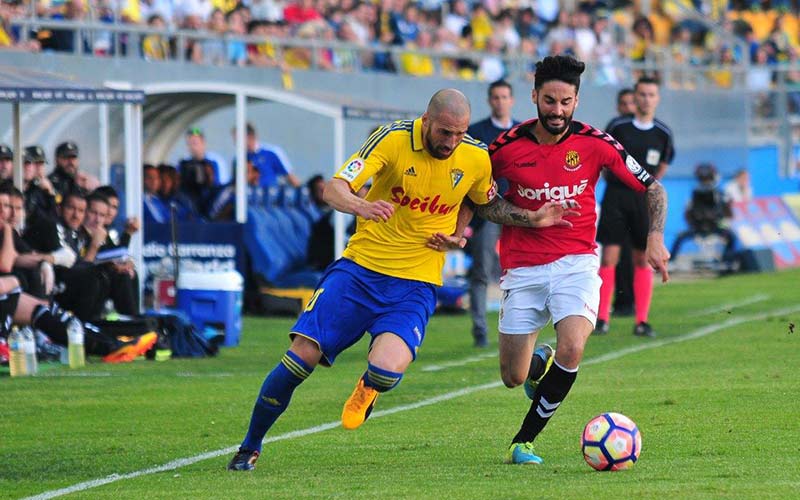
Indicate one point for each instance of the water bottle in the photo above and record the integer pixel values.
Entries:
(29, 348)
(77, 357)
(16, 353)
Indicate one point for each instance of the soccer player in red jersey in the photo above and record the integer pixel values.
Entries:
(552, 272)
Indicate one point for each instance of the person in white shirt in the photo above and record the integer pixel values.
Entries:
(738, 189)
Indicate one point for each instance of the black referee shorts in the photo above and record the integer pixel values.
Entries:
(623, 215)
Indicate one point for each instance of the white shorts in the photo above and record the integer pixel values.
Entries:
(532, 295)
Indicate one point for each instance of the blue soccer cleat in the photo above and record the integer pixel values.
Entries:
(545, 353)
(244, 459)
(522, 453)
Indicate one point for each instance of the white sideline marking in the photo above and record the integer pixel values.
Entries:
(183, 462)
(761, 297)
(471, 359)
(459, 362)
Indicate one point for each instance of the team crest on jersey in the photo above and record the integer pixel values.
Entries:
(633, 165)
(456, 175)
(572, 161)
(351, 171)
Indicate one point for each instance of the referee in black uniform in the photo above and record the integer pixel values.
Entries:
(623, 212)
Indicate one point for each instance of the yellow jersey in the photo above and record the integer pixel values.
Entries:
(426, 193)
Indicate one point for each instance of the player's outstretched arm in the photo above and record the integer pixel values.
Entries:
(657, 254)
(444, 242)
(551, 213)
(339, 195)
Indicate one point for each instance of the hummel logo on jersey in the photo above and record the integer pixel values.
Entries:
(410, 171)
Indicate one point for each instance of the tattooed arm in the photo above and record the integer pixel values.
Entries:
(502, 212)
(657, 254)
(552, 213)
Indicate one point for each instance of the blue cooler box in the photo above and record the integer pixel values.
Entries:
(213, 300)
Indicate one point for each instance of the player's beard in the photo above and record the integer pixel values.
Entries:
(434, 150)
(551, 130)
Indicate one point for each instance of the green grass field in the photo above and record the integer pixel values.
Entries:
(715, 397)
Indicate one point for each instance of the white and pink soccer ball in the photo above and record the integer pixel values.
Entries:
(611, 441)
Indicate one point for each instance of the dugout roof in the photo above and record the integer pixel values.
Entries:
(20, 85)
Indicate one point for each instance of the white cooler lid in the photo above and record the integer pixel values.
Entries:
(230, 281)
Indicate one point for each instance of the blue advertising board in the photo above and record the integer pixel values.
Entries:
(202, 247)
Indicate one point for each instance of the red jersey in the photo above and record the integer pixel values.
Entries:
(538, 173)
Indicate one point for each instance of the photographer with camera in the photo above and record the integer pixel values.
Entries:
(707, 211)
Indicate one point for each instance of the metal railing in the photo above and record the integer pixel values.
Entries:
(773, 113)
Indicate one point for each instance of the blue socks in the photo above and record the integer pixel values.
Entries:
(379, 379)
(276, 392)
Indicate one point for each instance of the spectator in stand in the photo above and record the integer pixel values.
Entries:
(529, 25)
(8, 39)
(507, 32)
(265, 53)
(198, 10)
(6, 165)
(301, 11)
(194, 174)
(64, 175)
(172, 195)
(267, 10)
(164, 9)
(155, 210)
(457, 17)
(63, 40)
(407, 26)
(481, 26)
(738, 189)
(156, 47)
(415, 63)
(270, 160)
(492, 67)
(361, 19)
(212, 50)
(41, 199)
(237, 51)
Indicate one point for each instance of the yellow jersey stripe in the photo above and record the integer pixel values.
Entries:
(374, 141)
(474, 142)
(371, 139)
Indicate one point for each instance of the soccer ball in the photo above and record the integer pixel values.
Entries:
(611, 441)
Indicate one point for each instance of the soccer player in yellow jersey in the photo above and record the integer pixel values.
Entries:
(384, 284)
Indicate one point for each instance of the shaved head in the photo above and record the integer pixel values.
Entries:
(449, 101)
(445, 123)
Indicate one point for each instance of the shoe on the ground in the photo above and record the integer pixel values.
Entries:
(545, 353)
(130, 348)
(644, 329)
(522, 453)
(600, 328)
(244, 460)
(481, 341)
(358, 406)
